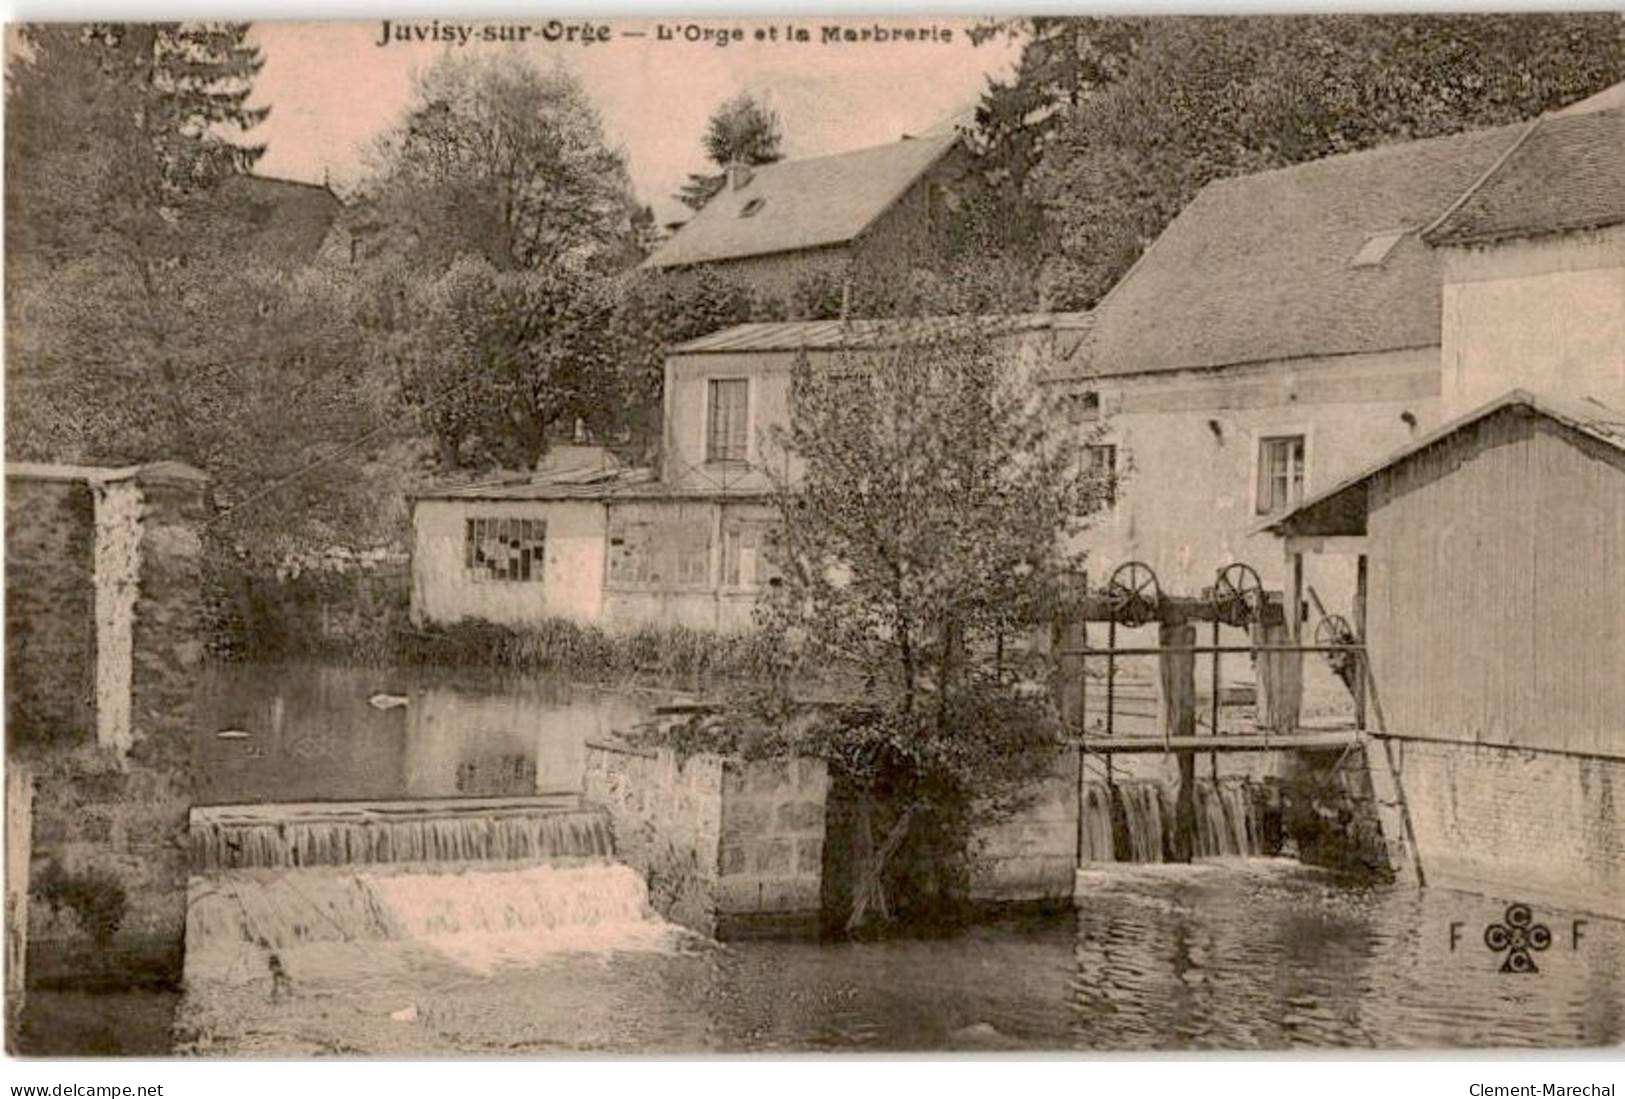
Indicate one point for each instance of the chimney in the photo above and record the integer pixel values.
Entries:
(739, 174)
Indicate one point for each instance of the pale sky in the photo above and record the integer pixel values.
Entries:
(330, 87)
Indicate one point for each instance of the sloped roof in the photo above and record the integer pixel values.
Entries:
(1341, 508)
(799, 204)
(1261, 267)
(572, 484)
(287, 220)
(1568, 173)
(860, 333)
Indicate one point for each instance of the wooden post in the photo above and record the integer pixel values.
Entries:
(1359, 633)
(19, 844)
(1280, 676)
(1295, 610)
(1177, 665)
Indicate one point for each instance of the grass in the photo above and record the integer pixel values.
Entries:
(590, 652)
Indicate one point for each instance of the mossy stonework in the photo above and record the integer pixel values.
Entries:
(104, 563)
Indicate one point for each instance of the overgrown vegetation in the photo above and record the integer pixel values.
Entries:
(95, 897)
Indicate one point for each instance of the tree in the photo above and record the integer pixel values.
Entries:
(740, 131)
(500, 159)
(931, 501)
(502, 356)
(137, 330)
(1170, 104)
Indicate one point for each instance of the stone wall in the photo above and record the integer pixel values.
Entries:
(729, 848)
(50, 611)
(1540, 827)
(108, 861)
(1033, 855)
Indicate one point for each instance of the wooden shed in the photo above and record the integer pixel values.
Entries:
(1491, 561)
(1495, 605)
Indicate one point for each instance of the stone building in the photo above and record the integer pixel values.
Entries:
(871, 211)
(1289, 325)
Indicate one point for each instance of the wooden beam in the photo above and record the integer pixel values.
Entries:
(1344, 544)
(1359, 631)
(1228, 742)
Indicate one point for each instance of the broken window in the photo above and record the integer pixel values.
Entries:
(504, 549)
(1280, 473)
(727, 420)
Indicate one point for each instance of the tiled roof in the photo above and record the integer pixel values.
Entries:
(1567, 173)
(1586, 416)
(849, 334)
(1261, 267)
(798, 204)
(287, 220)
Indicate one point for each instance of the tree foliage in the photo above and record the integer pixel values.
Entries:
(137, 330)
(931, 501)
(1111, 126)
(740, 131)
(504, 160)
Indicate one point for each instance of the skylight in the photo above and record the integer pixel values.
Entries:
(750, 208)
(1377, 246)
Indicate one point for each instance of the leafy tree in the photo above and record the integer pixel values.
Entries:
(137, 330)
(656, 311)
(1166, 105)
(500, 159)
(931, 501)
(740, 131)
(502, 356)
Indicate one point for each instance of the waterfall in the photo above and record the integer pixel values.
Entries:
(312, 921)
(1228, 819)
(549, 829)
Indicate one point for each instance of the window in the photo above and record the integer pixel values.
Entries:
(669, 553)
(504, 549)
(747, 548)
(1083, 408)
(1103, 470)
(751, 208)
(727, 419)
(1280, 473)
(1376, 248)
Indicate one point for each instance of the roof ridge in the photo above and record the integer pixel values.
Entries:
(1478, 184)
(1388, 148)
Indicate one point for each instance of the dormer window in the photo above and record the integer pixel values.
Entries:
(1376, 248)
(1083, 407)
(749, 210)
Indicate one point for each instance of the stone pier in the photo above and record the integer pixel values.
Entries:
(103, 594)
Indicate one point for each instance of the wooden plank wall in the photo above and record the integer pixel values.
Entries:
(1497, 602)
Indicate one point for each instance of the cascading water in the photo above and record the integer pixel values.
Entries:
(542, 829)
(1229, 819)
(268, 925)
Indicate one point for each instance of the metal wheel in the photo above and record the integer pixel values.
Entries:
(1334, 629)
(1133, 595)
(1238, 595)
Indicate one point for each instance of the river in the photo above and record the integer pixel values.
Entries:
(1225, 954)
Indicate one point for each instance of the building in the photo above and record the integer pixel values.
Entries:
(686, 545)
(1290, 324)
(284, 221)
(778, 225)
(1494, 616)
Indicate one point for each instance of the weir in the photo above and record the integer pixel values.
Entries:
(546, 828)
(1230, 820)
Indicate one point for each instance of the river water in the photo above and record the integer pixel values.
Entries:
(1229, 953)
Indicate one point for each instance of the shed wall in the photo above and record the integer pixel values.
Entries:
(572, 574)
(1497, 602)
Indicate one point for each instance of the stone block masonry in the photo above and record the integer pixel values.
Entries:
(103, 588)
(730, 848)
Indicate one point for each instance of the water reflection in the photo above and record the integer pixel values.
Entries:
(313, 735)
